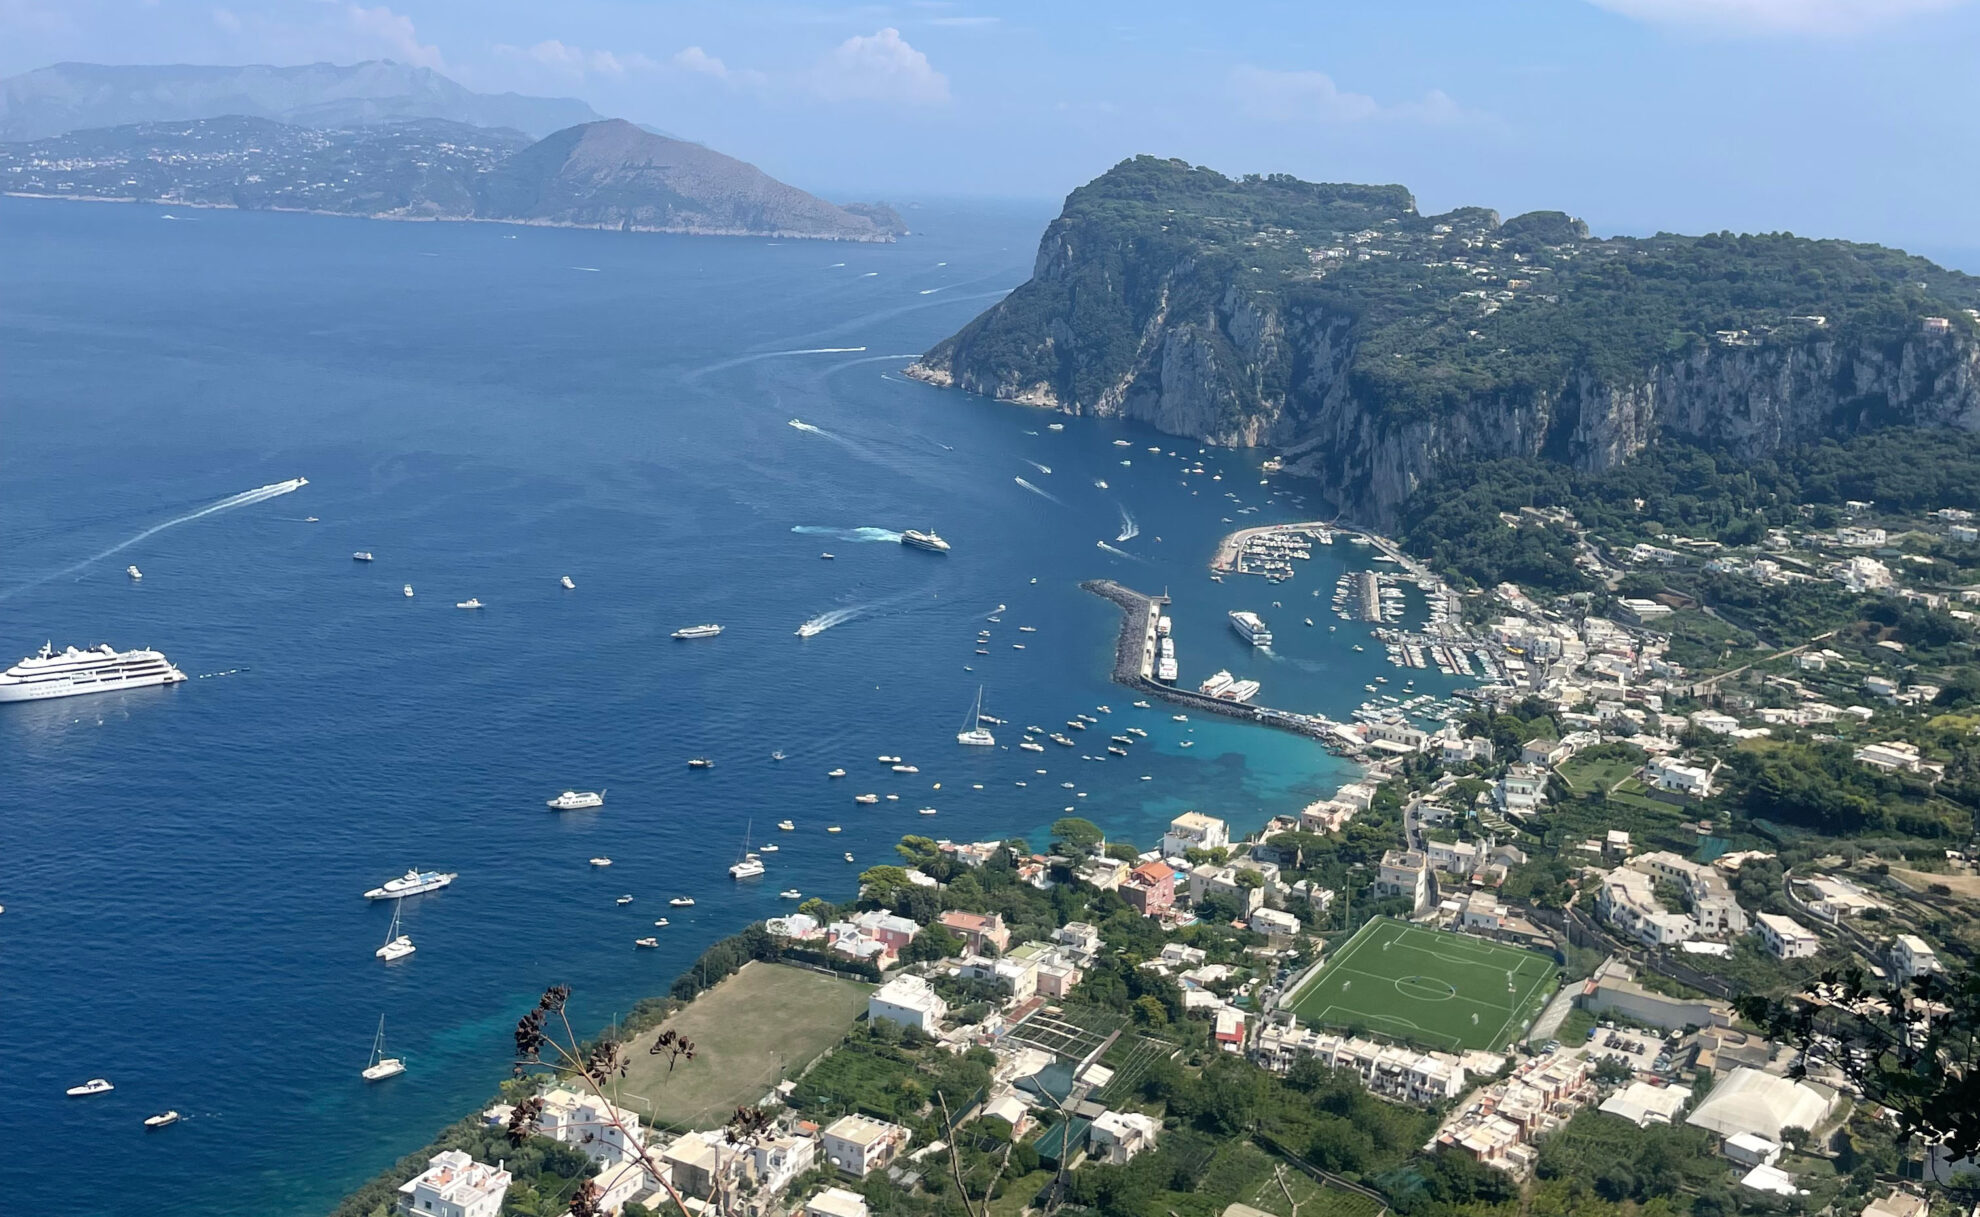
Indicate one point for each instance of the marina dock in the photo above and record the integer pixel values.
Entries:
(1134, 665)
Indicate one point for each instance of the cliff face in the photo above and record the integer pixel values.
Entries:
(1371, 376)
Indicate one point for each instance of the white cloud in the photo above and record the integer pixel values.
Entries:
(394, 35)
(879, 67)
(1776, 16)
(1313, 97)
(227, 19)
(694, 59)
(579, 62)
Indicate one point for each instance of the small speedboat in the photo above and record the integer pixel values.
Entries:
(134, 572)
(778, 755)
(682, 902)
(927, 811)
(849, 856)
(161, 1119)
(786, 826)
(362, 555)
(1141, 705)
(566, 584)
(906, 769)
(662, 922)
(409, 591)
(700, 762)
(791, 893)
(469, 603)
(623, 900)
(93, 1086)
(309, 519)
(768, 849)
(826, 557)
(648, 943)
(890, 760)
(866, 799)
(836, 773)
(601, 861)
(833, 828)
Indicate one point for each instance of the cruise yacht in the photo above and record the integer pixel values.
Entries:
(698, 631)
(413, 883)
(97, 670)
(469, 603)
(574, 800)
(382, 1066)
(397, 945)
(566, 584)
(133, 571)
(362, 555)
(924, 540)
(974, 733)
(93, 1086)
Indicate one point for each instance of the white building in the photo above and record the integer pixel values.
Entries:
(1785, 937)
(1628, 901)
(1890, 756)
(1194, 830)
(1272, 921)
(1223, 881)
(454, 1185)
(858, 1145)
(1118, 1136)
(1668, 773)
(1454, 857)
(1522, 789)
(1405, 873)
(1713, 906)
(1912, 957)
(835, 1202)
(907, 1001)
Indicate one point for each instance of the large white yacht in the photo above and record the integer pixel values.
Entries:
(574, 800)
(97, 670)
(412, 883)
(698, 631)
(924, 540)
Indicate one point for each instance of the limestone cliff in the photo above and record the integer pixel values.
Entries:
(1375, 347)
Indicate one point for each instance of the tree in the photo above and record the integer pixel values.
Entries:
(1074, 837)
(1913, 1049)
(884, 884)
(1795, 1137)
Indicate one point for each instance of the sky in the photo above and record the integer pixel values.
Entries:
(1846, 118)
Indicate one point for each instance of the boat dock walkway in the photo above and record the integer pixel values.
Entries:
(1134, 663)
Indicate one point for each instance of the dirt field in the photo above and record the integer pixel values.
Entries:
(763, 1024)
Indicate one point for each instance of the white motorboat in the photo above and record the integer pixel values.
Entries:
(409, 591)
(1032, 746)
(397, 945)
(469, 603)
(161, 1119)
(771, 848)
(566, 583)
(626, 899)
(778, 755)
(574, 800)
(836, 773)
(826, 557)
(833, 828)
(381, 1066)
(93, 1086)
(133, 571)
(698, 631)
(362, 555)
(890, 760)
(700, 762)
(927, 811)
(662, 923)
(413, 883)
(682, 902)
(786, 826)
(647, 943)
(906, 769)
(849, 856)
(601, 861)
(866, 799)
(791, 893)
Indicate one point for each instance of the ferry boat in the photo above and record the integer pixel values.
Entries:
(974, 733)
(924, 540)
(567, 584)
(134, 572)
(72, 673)
(381, 1066)
(698, 631)
(1251, 628)
(572, 800)
(412, 883)
(93, 1086)
(362, 555)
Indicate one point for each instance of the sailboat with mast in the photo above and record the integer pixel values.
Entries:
(382, 1066)
(397, 944)
(749, 866)
(974, 732)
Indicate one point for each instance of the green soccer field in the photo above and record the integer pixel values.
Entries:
(1428, 987)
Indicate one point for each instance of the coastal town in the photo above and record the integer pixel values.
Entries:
(1524, 932)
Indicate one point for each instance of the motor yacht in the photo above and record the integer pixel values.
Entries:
(93, 1086)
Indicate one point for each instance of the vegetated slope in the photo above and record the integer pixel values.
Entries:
(79, 96)
(1377, 346)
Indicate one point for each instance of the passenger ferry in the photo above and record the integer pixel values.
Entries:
(1251, 627)
(100, 669)
(574, 800)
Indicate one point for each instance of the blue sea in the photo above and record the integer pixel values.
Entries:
(487, 409)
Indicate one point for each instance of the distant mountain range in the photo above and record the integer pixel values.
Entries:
(79, 96)
(607, 174)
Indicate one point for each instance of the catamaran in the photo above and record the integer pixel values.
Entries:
(397, 945)
(382, 1066)
(974, 732)
(749, 866)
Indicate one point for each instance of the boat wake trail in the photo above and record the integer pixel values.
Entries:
(804, 426)
(848, 534)
(1129, 529)
(1035, 465)
(1118, 553)
(246, 498)
(1043, 494)
(825, 621)
(929, 291)
(816, 351)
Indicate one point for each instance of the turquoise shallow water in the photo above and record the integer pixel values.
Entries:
(487, 409)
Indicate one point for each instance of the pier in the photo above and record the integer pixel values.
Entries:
(1134, 660)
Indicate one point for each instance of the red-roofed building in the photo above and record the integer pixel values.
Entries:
(1149, 889)
(979, 929)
